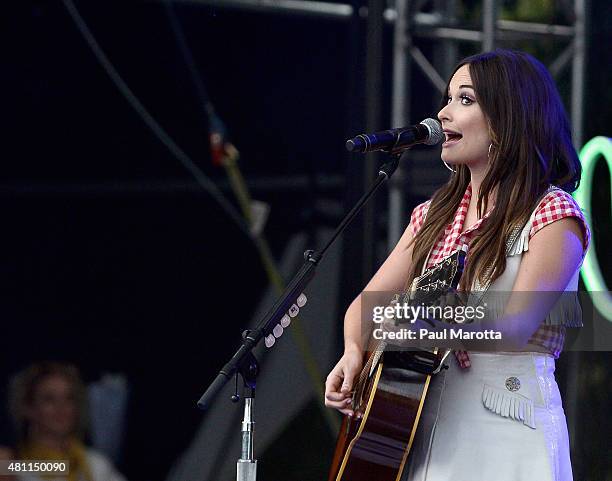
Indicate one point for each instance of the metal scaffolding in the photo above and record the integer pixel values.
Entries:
(439, 24)
(412, 23)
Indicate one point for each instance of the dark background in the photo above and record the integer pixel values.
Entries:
(111, 256)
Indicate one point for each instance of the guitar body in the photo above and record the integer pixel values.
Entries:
(390, 394)
(376, 446)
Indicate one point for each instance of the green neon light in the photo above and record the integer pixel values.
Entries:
(590, 272)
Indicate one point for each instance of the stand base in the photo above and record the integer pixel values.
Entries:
(246, 470)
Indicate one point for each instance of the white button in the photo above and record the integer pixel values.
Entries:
(285, 321)
(270, 340)
(301, 301)
(293, 310)
(277, 331)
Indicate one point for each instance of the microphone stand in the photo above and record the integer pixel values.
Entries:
(243, 362)
(246, 467)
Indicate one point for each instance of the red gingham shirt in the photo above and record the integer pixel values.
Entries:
(555, 205)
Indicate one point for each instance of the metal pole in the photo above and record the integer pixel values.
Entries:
(578, 72)
(489, 22)
(292, 7)
(246, 467)
(374, 87)
(573, 373)
(448, 55)
(399, 109)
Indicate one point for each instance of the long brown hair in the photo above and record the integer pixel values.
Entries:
(531, 149)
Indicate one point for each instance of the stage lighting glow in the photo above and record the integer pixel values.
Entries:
(590, 272)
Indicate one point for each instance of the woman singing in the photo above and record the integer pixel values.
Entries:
(494, 415)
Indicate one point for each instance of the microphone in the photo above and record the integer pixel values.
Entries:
(428, 132)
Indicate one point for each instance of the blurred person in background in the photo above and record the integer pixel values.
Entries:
(48, 406)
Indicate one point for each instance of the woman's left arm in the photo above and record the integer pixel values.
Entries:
(554, 255)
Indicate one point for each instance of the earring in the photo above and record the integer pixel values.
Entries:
(449, 167)
(489, 151)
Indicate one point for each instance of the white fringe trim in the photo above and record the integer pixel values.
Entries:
(566, 311)
(509, 405)
(522, 242)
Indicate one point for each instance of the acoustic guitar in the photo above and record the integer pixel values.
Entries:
(390, 392)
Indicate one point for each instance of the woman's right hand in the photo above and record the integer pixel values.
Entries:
(340, 381)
